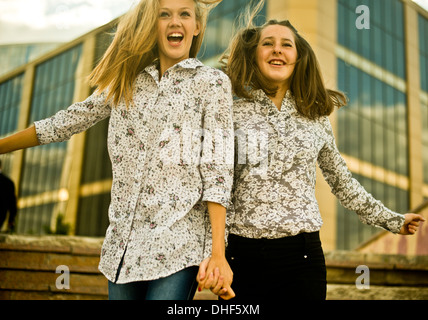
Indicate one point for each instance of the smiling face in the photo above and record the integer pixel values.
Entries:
(177, 25)
(276, 55)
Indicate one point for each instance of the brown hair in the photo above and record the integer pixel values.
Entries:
(134, 47)
(307, 86)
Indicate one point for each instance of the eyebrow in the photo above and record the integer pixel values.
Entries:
(272, 38)
(185, 8)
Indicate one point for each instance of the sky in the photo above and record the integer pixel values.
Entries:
(422, 3)
(34, 21)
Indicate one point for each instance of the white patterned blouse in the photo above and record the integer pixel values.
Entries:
(275, 172)
(171, 152)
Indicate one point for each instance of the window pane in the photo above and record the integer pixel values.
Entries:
(382, 43)
(43, 165)
(220, 26)
(373, 129)
(10, 102)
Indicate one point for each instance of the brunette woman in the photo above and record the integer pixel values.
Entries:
(282, 131)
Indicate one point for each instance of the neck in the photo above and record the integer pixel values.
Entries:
(162, 70)
(280, 94)
(165, 64)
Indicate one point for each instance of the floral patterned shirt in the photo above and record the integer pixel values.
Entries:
(171, 152)
(275, 172)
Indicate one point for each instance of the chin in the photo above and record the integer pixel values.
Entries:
(278, 81)
(177, 55)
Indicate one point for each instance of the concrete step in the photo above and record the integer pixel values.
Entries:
(28, 271)
(28, 268)
(350, 292)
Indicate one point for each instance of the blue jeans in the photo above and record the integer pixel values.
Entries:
(178, 286)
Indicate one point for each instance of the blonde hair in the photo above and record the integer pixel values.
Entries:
(312, 98)
(134, 47)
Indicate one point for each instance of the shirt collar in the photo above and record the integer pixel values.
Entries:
(288, 104)
(191, 63)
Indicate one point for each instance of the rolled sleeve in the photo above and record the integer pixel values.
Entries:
(218, 145)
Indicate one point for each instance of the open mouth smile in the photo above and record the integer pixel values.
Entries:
(175, 38)
(277, 63)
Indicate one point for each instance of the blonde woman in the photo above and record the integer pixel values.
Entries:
(170, 187)
(274, 247)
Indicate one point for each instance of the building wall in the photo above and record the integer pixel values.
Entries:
(380, 133)
(48, 177)
(423, 60)
(15, 55)
(372, 130)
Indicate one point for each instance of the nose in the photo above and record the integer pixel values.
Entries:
(277, 49)
(175, 20)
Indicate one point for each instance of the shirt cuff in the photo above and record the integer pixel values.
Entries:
(394, 223)
(44, 131)
(217, 196)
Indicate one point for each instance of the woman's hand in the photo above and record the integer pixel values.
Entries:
(215, 274)
(411, 223)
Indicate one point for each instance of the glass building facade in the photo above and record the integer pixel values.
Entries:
(373, 127)
(43, 166)
(423, 48)
(383, 43)
(13, 56)
(221, 25)
(10, 103)
(92, 218)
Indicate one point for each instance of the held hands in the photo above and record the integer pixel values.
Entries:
(215, 274)
(411, 223)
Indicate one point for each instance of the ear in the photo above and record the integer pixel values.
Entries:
(198, 29)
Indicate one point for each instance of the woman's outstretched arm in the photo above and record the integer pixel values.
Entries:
(24, 139)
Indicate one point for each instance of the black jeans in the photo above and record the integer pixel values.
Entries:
(291, 268)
